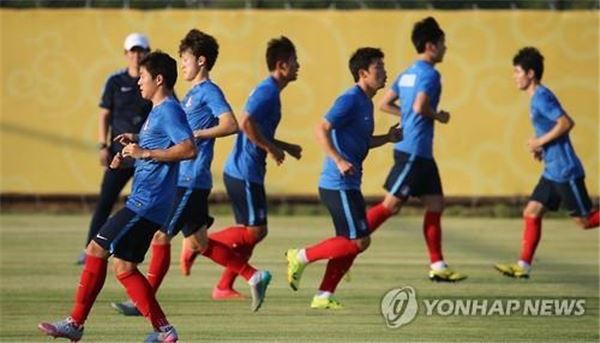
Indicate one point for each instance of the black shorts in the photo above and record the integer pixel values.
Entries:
(248, 199)
(572, 194)
(348, 211)
(127, 235)
(413, 176)
(190, 212)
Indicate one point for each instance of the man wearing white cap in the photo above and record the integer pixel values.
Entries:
(122, 110)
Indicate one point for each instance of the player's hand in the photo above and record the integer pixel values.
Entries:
(116, 161)
(538, 154)
(534, 144)
(277, 155)
(443, 117)
(133, 150)
(294, 150)
(104, 157)
(395, 133)
(346, 168)
(126, 138)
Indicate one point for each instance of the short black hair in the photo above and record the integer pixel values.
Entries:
(362, 59)
(530, 58)
(160, 63)
(279, 50)
(426, 31)
(201, 44)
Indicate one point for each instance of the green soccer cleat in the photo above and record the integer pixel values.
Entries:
(512, 270)
(445, 275)
(322, 303)
(295, 268)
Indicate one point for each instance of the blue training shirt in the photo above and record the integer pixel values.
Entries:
(247, 161)
(203, 105)
(418, 129)
(154, 183)
(351, 119)
(561, 164)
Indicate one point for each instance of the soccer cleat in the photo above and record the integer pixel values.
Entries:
(295, 268)
(81, 258)
(168, 335)
(226, 294)
(512, 270)
(186, 260)
(63, 329)
(445, 275)
(259, 290)
(325, 303)
(126, 308)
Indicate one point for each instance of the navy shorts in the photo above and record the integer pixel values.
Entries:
(248, 199)
(348, 211)
(413, 176)
(572, 194)
(127, 235)
(190, 212)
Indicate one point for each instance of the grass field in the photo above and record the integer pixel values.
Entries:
(38, 277)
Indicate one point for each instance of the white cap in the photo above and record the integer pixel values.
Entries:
(136, 39)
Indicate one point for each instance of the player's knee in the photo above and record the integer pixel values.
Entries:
(122, 266)
(392, 203)
(160, 238)
(363, 243)
(94, 249)
(198, 241)
(257, 233)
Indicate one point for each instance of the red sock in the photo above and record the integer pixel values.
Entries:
(593, 219)
(376, 216)
(331, 248)
(531, 237)
(228, 276)
(242, 241)
(336, 269)
(90, 283)
(223, 255)
(142, 295)
(159, 265)
(432, 229)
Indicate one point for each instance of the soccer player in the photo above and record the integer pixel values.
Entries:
(122, 110)
(244, 171)
(563, 178)
(209, 116)
(165, 138)
(417, 92)
(346, 135)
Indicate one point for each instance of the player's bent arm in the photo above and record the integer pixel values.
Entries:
(421, 106)
(103, 124)
(563, 125)
(394, 134)
(252, 131)
(184, 150)
(294, 150)
(323, 133)
(388, 103)
(227, 126)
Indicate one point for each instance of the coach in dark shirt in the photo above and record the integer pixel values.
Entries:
(122, 110)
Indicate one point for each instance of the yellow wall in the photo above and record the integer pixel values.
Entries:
(54, 64)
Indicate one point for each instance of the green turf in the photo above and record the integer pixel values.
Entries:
(38, 277)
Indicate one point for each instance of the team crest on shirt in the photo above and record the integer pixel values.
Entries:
(407, 80)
